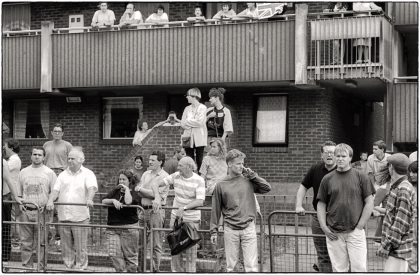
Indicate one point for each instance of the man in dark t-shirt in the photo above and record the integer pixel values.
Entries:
(312, 180)
(345, 203)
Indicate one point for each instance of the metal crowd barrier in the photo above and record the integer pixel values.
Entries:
(291, 245)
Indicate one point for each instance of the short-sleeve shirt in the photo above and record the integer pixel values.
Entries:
(36, 183)
(73, 188)
(123, 216)
(186, 191)
(313, 179)
(218, 121)
(56, 153)
(146, 181)
(14, 164)
(101, 17)
(344, 194)
(213, 170)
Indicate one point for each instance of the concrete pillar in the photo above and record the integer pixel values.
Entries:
(388, 119)
(301, 51)
(46, 56)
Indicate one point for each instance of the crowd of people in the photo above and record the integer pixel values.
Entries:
(105, 18)
(345, 197)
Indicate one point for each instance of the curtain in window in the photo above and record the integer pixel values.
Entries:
(45, 116)
(16, 17)
(107, 121)
(271, 120)
(19, 127)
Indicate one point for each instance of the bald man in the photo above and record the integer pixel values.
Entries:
(190, 193)
(76, 184)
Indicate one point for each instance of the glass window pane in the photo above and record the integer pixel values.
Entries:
(271, 120)
(31, 119)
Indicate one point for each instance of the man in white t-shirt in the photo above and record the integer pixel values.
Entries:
(103, 17)
(190, 193)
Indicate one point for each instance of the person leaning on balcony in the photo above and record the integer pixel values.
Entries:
(159, 16)
(251, 12)
(363, 44)
(194, 124)
(225, 13)
(123, 243)
(337, 54)
(130, 16)
(103, 17)
(313, 179)
(35, 184)
(198, 17)
(76, 184)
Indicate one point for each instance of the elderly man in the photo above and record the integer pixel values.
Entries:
(103, 17)
(35, 184)
(151, 218)
(76, 184)
(398, 225)
(345, 203)
(377, 161)
(130, 17)
(189, 194)
(313, 180)
(234, 198)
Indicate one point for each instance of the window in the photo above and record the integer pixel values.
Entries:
(76, 21)
(16, 17)
(270, 120)
(120, 116)
(31, 119)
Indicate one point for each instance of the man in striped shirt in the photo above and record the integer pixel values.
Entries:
(189, 194)
(398, 225)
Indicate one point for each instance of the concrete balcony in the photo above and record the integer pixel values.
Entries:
(233, 52)
(350, 46)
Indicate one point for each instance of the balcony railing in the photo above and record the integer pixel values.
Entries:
(406, 13)
(349, 45)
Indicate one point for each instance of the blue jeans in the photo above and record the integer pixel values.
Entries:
(324, 263)
(247, 239)
(123, 248)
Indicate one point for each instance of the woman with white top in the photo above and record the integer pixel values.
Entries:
(225, 13)
(194, 124)
(159, 16)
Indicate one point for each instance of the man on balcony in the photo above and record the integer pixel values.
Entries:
(345, 203)
(103, 17)
(130, 17)
(312, 180)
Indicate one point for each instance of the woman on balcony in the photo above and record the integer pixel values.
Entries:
(363, 45)
(194, 124)
(158, 17)
(198, 19)
(225, 13)
(142, 131)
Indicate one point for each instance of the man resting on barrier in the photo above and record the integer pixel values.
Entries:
(76, 184)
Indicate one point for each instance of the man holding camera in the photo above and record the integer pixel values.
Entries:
(234, 198)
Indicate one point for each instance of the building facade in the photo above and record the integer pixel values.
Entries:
(286, 94)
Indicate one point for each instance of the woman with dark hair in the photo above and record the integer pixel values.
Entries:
(142, 131)
(194, 124)
(123, 243)
(159, 16)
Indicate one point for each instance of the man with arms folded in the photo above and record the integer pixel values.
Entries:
(76, 184)
(345, 203)
(234, 198)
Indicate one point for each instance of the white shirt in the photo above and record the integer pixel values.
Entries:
(412, 157)
(73, 188)
(146, 181)
(14, 164)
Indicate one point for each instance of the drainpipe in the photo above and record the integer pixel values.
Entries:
(301, 52)
(46, 56)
